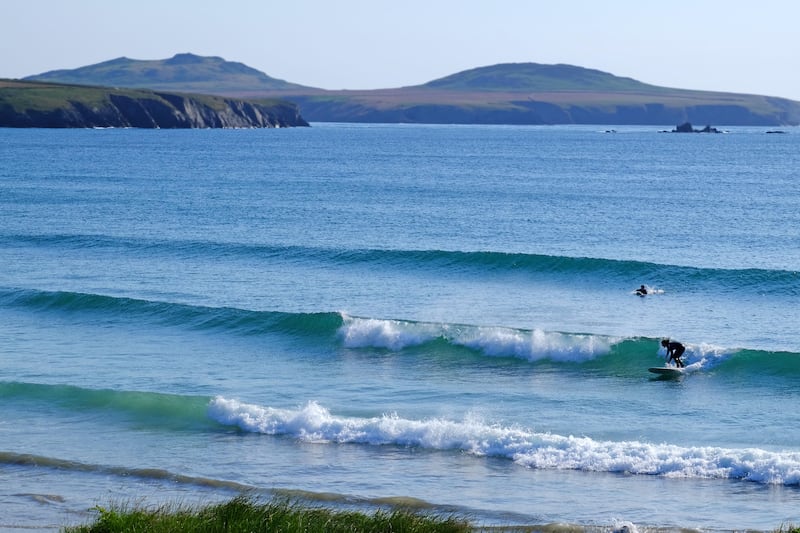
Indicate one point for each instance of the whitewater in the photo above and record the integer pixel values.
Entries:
(441, 317)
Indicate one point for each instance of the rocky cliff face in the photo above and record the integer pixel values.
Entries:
(155, 110)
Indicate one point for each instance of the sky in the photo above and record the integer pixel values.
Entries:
(717, 45)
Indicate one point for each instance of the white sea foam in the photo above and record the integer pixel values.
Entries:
(314, 423)
(390, 334)
(530, 345)
(534, 345)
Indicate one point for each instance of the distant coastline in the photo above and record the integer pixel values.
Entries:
(511, 93)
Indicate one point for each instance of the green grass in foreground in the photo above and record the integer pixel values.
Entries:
(243, 514)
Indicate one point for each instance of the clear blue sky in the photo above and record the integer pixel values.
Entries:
(719, 45)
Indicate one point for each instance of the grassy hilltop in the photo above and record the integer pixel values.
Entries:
(512, 93)
(186, 73)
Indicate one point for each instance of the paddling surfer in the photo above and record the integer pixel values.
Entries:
(641, 291)
(674, 351)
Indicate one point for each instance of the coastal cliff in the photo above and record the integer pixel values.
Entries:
(47, 105)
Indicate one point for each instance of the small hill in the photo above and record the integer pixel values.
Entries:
(535, 77)
(182, 73)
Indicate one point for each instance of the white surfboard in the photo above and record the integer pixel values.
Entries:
(666, 370)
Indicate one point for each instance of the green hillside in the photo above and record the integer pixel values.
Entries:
(182, 72)
(537, 78)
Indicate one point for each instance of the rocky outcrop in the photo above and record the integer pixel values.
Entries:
(686, 127)
(148, 109)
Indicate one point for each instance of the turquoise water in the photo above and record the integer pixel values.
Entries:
(435, 315)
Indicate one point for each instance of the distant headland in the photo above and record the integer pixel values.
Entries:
(50, 105)
(511, 93)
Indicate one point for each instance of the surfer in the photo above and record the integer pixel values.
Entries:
(641, 291)
(674, 351)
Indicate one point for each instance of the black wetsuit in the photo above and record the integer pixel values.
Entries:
(675, 351)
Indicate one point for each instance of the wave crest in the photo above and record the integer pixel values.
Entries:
(752, 280)
(314, 423)
(530, 345)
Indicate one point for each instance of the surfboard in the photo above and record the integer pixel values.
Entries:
(666, 370)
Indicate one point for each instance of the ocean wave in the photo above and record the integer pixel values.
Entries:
(154, 409)
(479, 263)
(155, 474)
(238, 321)
(352, 332)
(313, 423)
(339, 329)
(530, 345)
(473, 435)
(617, 355)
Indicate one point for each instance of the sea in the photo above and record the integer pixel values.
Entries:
(434, 317)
